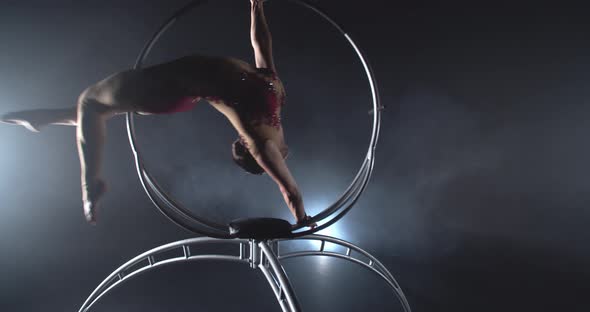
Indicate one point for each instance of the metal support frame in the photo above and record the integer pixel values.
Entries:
(262, 254)
(258, 254)
(186, 219)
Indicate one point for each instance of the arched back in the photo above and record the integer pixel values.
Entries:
(200, 225)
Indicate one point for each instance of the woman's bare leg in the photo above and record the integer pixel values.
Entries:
(120, 93)
(90, 118)
(90, 136)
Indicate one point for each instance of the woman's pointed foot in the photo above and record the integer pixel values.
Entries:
(90, 209)
(92, 201)
(21, 119)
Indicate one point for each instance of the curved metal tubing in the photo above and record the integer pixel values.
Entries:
(285, 287)
(121, 274)
(347, 202)
(374, 265)
(185, 219)
(261, 256)
(275, 288)
(181, 216)
(276, 276)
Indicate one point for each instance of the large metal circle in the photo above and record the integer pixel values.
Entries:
(200, 225)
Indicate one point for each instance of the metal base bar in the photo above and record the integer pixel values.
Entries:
(262, 254)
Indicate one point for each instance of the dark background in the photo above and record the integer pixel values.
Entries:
(479, 197)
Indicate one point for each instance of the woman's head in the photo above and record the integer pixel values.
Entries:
(242, 157)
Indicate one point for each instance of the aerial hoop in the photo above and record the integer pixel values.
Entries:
(196, 224)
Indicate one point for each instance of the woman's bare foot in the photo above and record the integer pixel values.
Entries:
(30, 119)
(92, 199)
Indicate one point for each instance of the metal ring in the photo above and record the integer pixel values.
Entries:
(196, 224)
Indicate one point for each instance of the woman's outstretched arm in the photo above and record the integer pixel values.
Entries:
(260, 36)
(271, 160)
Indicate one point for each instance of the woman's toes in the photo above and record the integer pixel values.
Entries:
(30, 126)
(13, 119)
(91, 204)
(90, 211)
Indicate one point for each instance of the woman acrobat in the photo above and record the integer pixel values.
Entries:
(250, 97)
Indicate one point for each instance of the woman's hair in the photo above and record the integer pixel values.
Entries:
(244, 159)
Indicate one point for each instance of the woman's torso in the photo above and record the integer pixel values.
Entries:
(251, 98)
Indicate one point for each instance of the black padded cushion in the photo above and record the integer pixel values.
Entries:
(260, 228)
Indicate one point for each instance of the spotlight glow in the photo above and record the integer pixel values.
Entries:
(316, 205)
